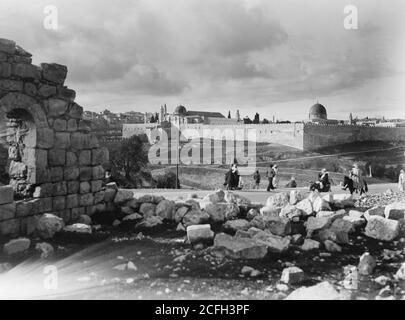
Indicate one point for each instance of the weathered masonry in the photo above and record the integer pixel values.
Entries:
(55, 163)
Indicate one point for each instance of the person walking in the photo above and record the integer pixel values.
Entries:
(401, 181)
(257, 178)
(270, 176)
(357, 176)
(232, 178)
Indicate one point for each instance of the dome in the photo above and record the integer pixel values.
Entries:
(180, 110)
(318, 111)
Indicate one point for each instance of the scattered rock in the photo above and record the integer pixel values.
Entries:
(332, 247)
(319, 204)
(400, 275)
(238, 248)
(166, 210)
(48, 225)
(46, 250)
(132, 217)
(292, 275)
(150, 222)
(123, 196)
(16, 246)
(367, 264)
(395, 211)
(215, 197)
(278, 200)
(272, 242)
(199, 233)
(343, 201)
(297, 196)
(251, 272)
(78, 228)
(316, 223)
(305, 206)
(321, 291)
(290, 212)
(310, 245)
(235, 225)
(382, 280)
(382, 229)
(375, 211)
(351, 280)
(148, 210)
(252, 213)
(297, 239)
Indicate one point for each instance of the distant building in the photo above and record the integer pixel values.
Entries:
(318, 114)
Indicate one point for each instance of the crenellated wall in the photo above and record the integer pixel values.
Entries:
(55, 161)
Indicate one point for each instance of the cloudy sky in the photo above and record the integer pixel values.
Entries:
(276, 57)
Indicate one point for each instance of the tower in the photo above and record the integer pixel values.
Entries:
(238, 116)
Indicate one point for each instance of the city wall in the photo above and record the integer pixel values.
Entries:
(318, 136)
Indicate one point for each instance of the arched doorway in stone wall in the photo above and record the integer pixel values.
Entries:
(20, 118)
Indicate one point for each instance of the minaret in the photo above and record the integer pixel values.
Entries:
(351, 118)
(237, 115)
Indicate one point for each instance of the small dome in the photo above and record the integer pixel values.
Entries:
(318, 111)
(180, 110)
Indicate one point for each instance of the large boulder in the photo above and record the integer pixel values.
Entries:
(166, 210)
(238, 248)
(278, 200)
(321, 291)
(290, 212)
(48, 225)
(16, 246)
(215, 197)
(200, 233)
(305, 206)
(235, 225)
(342, 201)
(270, 211)
(148, 209)
(297, 196)
(382, 229)
(316, 223)
(220, 212)
(374, 211)
(395, 211)
(319, 204)
(195, 217)
(276, 225)
(355, 218)
(237, 199)
(273, 243)
(123, 196)
(292, 275)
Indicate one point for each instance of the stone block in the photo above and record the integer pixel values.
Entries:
(45, 205)
(75, 111)
(45, 138)
(56, 174)
(96, 185)
(29, 225)
(66, 93)
(10, 227)
(73, 187)
(85, 173)
(57, 157)
(7, 211)
(26, 71)
(99, 197)
(47, 91)
(43, 191)
(98, 173)
(71, 159)
(5, 70)
(75, 213)
(36, 157)
(7, 46)
(85, 187)
(72, 201)
(11, 85)
(59, 203)
(80, 140)
(71, 173)
(30, 89)
(55, 73)
(56, 107)
(26, 208)
(6, 194)
(86, 200)
(62, 140)
(72, 125)
(60, 188)
(85, 157)
(65, 215)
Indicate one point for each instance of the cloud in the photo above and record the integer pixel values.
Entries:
(247, 53)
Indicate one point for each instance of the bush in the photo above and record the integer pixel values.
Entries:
(166, 181)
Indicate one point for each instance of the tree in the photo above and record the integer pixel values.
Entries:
(246, 120)
(229, 114)
(265, 121)
(256, 120)
(129, 157)
(152, 119)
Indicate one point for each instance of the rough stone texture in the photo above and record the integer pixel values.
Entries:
(238, 248)
(382, 229)
(235, 225)
(321, 291)
(48, 225)
(305, 206)
(55, 151)
(272, 242)
(292, 275)
(310, 245)
(278, 200)
(166, 209)
(367, 264)
(16, 246)
(148, 210)
(395, 211)
(200, 233)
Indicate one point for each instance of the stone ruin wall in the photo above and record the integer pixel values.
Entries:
(318, 136)
(55, 162)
